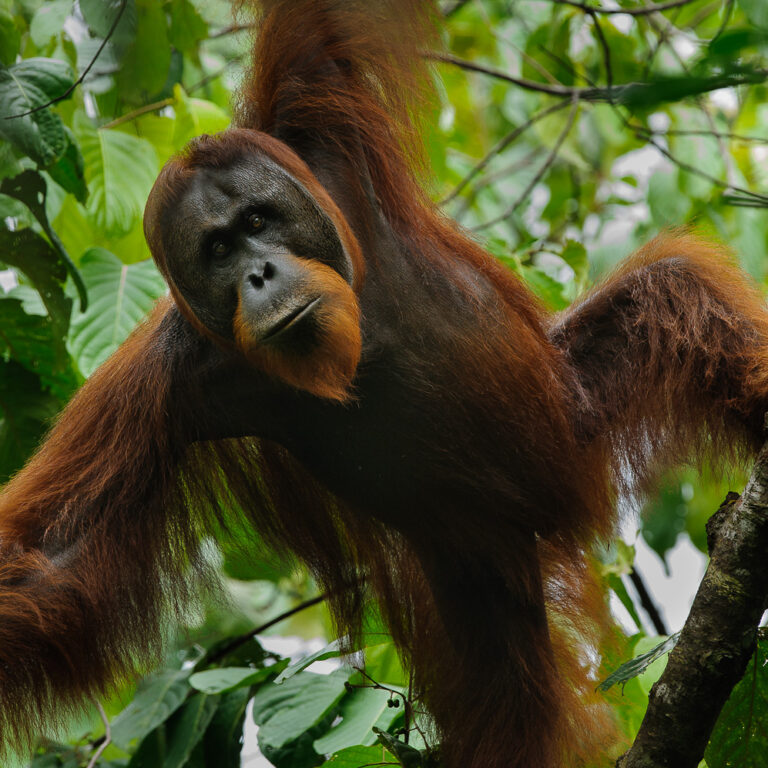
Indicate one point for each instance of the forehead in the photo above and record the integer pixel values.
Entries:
(212, 192)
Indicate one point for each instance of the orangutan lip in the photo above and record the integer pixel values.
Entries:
(290, 319)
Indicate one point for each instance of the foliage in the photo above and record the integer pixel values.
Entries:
(563, 137)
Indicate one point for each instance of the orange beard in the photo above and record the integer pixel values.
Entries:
(327, 369)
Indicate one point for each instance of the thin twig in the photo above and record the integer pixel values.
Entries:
(605, 48)
(499, 147)
(128, 116)
(563, 91)
(539, 175)
(236, 642)
(84, 74)
(230, 30)
(714, 133)
(642, 11)
(213, 75)
(107, 740)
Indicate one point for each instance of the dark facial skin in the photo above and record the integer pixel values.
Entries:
(233, 237)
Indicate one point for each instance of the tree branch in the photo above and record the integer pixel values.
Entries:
(106, 741)
(641, 93)
(719, 636)
(647, 602)
(642, 11)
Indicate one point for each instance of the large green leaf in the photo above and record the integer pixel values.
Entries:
(48, 21)
(187, 727)
(31, 189)
(69, 170)
(331, 651)
(120, 296)
(756, 11)
(156, 699)
(120, 171)
(212, 681)
(34, 256)
(360, 711)
(31, 340)
(100, 16)
(147, 60)
(195, 117)
(224, 737)
(10, 36)
(285, 712)
(740, 737)
(187, 26)
(27, 85)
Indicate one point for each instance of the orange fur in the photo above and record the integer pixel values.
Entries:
(327, 371)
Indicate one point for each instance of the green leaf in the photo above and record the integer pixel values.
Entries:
(669, 207)
(31, 341)
(545, 287)
(285, 712)
(9, 164)
(224, 737)
(48, 21)
(733, 41)
(187, 26)
(121, 295)
(408, 756)
(34, 256)
(663, 518)
(27, 85)
(100, 15)
(69, 170)
(330, 651)
(187, 727)
(740, 737)
(151, 752)
(10, 37)
(575, 256)
(100, 77)
(360, 711)
(383, 664)
(195, 117)
(25, 410)
(145, 63)
(31, 189)
(120, 170)
(756, 11)
(156, 699)
(228, 678)
(354, 757)
(639, 664)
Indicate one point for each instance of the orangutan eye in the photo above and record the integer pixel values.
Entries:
(256, 222)
(219, 249)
